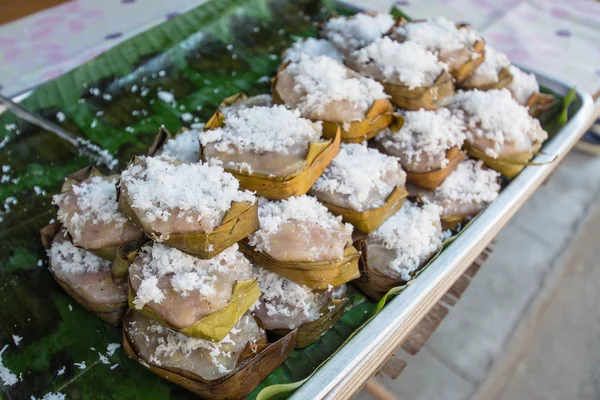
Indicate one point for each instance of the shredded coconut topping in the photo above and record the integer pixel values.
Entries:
(438, 34)
(470, 183)
(414, 233)
(406, 63)
(96, 202)
(73, 260)
(491, 66)
(283, 297)
(351, 33)
(260, 100)
(425, 134)
(273, 214)
(523, 85)
(495, 116)
(312, 47)
(184, 147)
(359, 172)
(159, 188)
(187, 273)
(323, 80)
(260, 129)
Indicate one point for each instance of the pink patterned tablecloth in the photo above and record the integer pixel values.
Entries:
(557, 37)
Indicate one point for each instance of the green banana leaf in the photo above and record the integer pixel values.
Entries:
(217, 49)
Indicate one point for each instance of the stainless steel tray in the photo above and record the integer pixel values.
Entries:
(347, 371)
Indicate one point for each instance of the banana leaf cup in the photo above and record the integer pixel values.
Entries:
(298, 183)
(428, 97)
(256, 361)
(504, 79)
(538, 103)
(369, 220)
(432, 179)
(377, 118)
(461, 62)
(112, 311)
(239, 221)
(314, 274)
(508, 166)
(311, 332)
(103, 239)
(214, 326)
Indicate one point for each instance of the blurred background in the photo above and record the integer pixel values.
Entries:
(528, 325)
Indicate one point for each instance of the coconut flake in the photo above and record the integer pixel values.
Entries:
(494, 115)
(470, 182)
(187, 273)
(363, 175)
(489, 70)
(406, 63)
(424, 134)
(351, 33)
(438, 34)
(96, 202)
(523, 85)
(323, 80)
(73, 260)
(157, 188)
(414, 233)
(311, 47)
(263, 129)
(7, 377)
(184, 147)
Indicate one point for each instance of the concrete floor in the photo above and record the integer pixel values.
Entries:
(528, 327)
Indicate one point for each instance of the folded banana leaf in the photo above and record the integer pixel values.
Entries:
(427, 97)
(538, 103)
(379, 117)
(240, 221)
(510, 166)
(310, 333)
(159, 141)
(504, 79)
(432, 179)
(256, 362)
(318, 158)
(369, 220)
(315, 274)
(477, 57)
(218, 324)
(108, 312)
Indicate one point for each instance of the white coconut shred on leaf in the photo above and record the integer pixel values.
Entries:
(405, 63)
(470, 182)
(322, 80)
(65, 256)
(260, 129)
(312, 47)
(496, 116)
(425, 133)
(351, 33)
(7, 377)
(282, 296)
(273, 214)
(187, 273)
(438, 34)
(523, 85)
(96, 203)
(357, 172)
(414, 233)
(184, 147)
(157, 188)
